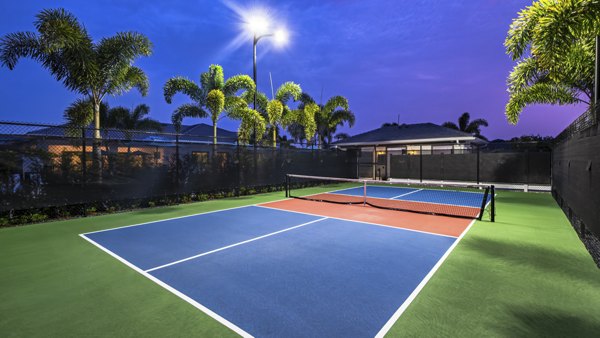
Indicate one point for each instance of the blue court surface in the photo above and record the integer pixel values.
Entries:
(447, 197)
(273, 273)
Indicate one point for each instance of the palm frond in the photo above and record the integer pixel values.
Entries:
(79, 113)
(182, 85)
(213, 78)
(60, 29)
(187, 110)
(334, 103)
(288, 90)
(540, 93)
(237, 83)
(14, 46)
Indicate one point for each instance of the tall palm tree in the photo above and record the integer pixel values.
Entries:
(92, 69)
(466, 125)
(334, 113)
(553, 44)
(212, 97)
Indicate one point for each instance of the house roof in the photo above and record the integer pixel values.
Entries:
(408, 134)
(196, 133)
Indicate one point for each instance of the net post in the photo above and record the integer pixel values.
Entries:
(287, 185)
(365, 193)
(493, 204)
(421, 163)
(483, 203)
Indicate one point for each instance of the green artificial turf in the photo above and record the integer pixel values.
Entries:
(526, 274)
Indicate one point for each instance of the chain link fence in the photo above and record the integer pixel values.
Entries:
(576, 178)
(55, 171)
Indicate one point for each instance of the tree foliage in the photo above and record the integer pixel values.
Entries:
(62, 45)
(213, 97)
(466, 125)
(553, 44)
(328, 117)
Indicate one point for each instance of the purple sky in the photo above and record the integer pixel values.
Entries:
(425, 60)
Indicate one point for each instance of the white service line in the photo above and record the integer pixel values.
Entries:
(408, 193)
(189, 300)
(388, 325)
(233, 245)
(355, 221)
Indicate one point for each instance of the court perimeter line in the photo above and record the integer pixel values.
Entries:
(388, 325)
(408, 193)
(356, 221)
(233, 245)
(192, 302)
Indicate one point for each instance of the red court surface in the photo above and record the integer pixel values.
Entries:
(449, 226)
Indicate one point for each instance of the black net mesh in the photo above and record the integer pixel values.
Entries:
(467, 201)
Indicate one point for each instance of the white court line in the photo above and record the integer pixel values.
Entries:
(178, 217)
(233, 245)
(408, 193)
(363, 222)
(388, 325)
(192, 302)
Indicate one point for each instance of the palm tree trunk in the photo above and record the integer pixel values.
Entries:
(96, 144)
(275, 137)
(214, 137)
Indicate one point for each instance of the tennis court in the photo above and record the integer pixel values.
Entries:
(296, 267)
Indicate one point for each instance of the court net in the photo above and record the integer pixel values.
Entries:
(455, 200)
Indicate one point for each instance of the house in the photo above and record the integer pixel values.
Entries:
(375, 147)
(65, 143)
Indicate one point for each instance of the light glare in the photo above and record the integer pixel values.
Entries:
(257, 22)
(281, 36)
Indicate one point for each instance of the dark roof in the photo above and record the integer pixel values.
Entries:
(408, 133)
(196, 133)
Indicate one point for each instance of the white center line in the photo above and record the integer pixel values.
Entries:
(233, 245)
(408, 193)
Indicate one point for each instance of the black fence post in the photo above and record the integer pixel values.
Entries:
(83, 156)
(421, 163)
(493, 204)
(177, 164)
(287, 185)
(478, 151)
(238, 168)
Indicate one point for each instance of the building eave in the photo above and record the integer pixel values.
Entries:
(412, 141)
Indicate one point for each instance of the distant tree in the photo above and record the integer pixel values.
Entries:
(92, 69)
(466, 125)
(214, 96)
(553, 44)
(388, 124)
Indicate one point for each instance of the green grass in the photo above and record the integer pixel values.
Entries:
(525, 275)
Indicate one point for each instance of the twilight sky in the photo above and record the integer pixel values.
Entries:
(424, 60)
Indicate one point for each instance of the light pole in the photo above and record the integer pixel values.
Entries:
(254, 42)
(258, 25)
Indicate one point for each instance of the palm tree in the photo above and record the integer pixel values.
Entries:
(466, 125)
(212, 97)
(553, 44)
(92, 69)
(328, 117)
(276, 111)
